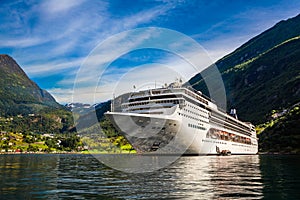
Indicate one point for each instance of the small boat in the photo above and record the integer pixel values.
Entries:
(225, 153)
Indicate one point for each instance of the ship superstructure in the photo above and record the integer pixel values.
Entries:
(174, 119)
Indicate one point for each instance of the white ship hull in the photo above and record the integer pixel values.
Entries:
(170, 138)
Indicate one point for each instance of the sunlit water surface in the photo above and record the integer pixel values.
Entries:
(198, 177)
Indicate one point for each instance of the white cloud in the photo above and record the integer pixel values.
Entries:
(59, 36)
(94, 67)
(55, 38)
(46, 33)
(95, 64)
(62, 95)
(145, 16)
(143, 77)
(50, 68)
(119, 80)
(21, 42)
(218, 47)
(225, 36)
(58, 6)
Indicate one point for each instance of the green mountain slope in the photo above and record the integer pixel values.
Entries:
(281, 32)
(25, 107)
(276, 35)
(270, 81)
(262, 74)
(282, 134)
(18, 94)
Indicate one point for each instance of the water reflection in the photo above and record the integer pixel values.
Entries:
(281, 176)
(24, 175)
(208, 177)
(226, 177)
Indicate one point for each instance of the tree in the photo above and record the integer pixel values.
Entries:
(32, 148)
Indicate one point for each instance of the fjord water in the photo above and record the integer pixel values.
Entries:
(198, 177)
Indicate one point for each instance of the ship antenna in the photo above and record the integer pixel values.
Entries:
(112, 103)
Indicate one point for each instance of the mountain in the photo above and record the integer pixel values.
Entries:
(263, 74)
(262, 80)
(269, 82)
(18, 94)
(25, 107)
(281, 134)
(276, 35)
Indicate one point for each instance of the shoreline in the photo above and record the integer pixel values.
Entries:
(278, 153)
(111, 153)
(64, 152)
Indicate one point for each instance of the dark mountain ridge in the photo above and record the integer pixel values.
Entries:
(262, 74)
(25, 107)
(262, 80)
(269, 82)
(268, 39)
(19, 94)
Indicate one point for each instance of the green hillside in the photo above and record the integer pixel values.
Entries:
(25, 107)
(18, 94)
(261, 76)
(270, 81)
(281, 134)
(282, 31)
(276, 35)
(31, 120)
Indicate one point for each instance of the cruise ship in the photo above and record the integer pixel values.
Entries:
(181, 120)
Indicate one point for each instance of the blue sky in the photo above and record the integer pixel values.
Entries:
(51, 39)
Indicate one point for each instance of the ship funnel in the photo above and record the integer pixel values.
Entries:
(233, 113)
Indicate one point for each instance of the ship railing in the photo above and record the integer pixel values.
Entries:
(230, 126)
(240, 125)
(156, 101)
(199, 93)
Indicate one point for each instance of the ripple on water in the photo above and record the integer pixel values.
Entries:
(202, 177)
